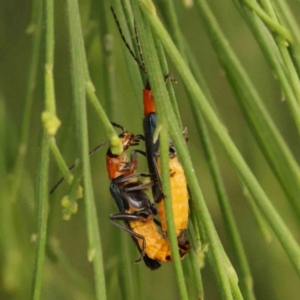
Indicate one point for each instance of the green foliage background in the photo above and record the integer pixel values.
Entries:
(67, 274)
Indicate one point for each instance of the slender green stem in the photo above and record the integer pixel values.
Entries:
(291, 187)
(41, 196)
(147, 43)
(289, 20)
(267, 135)
(35, 28)
(49, 80)
(239, 253)
(49, 118)
(237, 295)
(60, 161)
(115, 143)
(78, 87)
(196, 248)
(134, 72)
(42, 178)
(164, 155)
(292, 72)
(165, 110)
(126, 269)
(130, 24)
(204, 238)
(194, 66)
(53, 246)
(166, 72)
(273, 25)
(101, 11)
(261, 221)
(244, 272)
(167, 8)
(279, 227)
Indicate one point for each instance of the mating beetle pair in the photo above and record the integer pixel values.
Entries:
(135, 207)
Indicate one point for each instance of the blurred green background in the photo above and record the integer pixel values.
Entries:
(69, 275)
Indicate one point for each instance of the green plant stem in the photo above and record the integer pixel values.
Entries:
(79, 88)
(273, 25)
(41, 196)
(204, 238)
(194, 66)
(126, 269)
(244, 272)
(292, 72)
(196, 247)
(197, 274)
(289, 20)
(165, 171)
(279, 227)
(286, 73)
(49, 80)
(145, 36)
(35, 28)
(283, 16)
(43, 165)
(55, 250)
(115, 143)
(164, 108)
(166, 72)
(268, 46)
(60, 161)
(239, 253)
(237, 295)
(269, 139)
(130, 24)
(51, 122)
(101, 10)
(134, 73)
(261, 221)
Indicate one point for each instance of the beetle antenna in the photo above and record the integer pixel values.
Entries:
(119, 126)
(73, 166)
(141, 64)
(139, 47)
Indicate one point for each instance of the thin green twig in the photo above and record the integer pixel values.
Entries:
(292, 185)
(164, 155)
(279, 227)
(43, 165)
(289, 19)
(243, 267)
(41, 200)
(35, 29)
(165, 110)
(194, 258)
(156, 72)
(78, 66)
(273, 25)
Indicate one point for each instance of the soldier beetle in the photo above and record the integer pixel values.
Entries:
(179, 190)
(135, 208)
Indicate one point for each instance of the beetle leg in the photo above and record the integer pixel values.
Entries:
(143, 186)
(160, 195)
(124, 179)
(141, 152)
(130, 217)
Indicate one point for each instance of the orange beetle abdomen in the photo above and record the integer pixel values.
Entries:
(180, 197)
(157, 247)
